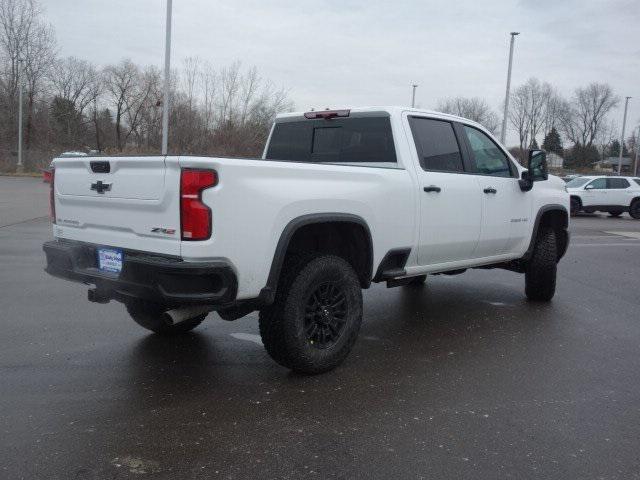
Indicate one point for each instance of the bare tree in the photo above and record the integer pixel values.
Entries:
(27, 45)
(75, 81)
(229, 83)
(121, 83)
(209, 83)
(585, 116)
(75, 84)
(528, 110)
(475, 109)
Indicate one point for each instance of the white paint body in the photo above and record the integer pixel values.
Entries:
(621, 197)
(255, 199)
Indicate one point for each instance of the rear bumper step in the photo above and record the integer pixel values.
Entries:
(158, 278)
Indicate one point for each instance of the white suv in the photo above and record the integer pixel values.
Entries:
(605, 194)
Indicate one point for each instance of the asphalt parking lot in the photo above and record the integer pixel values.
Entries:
(461, 379)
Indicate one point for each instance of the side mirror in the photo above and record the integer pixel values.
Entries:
(589, 187)
(538, 165)
(537, 170)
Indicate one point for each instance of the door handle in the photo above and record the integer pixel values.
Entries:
(490, 190)
(432, 188)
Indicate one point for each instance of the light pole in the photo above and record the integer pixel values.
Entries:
(413, 96)
(635, 161)
(20, 166)
(167, 74)
(506, 97)
(624, 124)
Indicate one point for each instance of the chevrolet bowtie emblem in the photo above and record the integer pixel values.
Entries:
(101, 187)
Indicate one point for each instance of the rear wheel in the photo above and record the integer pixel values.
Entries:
(615, 213)
(152, 316)
(634, 210)
(540, 273)
(315, 318)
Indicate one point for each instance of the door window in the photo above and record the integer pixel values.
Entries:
(617, 183)
(437, 145)
(488, 157)
(598, 184)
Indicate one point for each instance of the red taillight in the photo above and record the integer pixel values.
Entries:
(52, 196)
(327, 114)
(195, 216)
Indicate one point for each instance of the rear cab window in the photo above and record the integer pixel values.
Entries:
(359, 141)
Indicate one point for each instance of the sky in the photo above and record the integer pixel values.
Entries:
(336, 53)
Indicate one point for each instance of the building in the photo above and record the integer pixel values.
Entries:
(555, 161)
(610, 164)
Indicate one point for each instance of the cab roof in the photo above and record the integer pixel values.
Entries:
(391, 110)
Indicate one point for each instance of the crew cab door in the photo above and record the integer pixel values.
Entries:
(450, 200)
(506, 209)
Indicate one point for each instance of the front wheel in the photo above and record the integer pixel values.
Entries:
(540, 273)
(634, 209)
(152, 316)
(575, 206)
(315, 318)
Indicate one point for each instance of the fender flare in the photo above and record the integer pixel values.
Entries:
(536, 226)
(267, 294)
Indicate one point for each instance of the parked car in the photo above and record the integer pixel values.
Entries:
(339, 200)
(568, 178)
(614, 195)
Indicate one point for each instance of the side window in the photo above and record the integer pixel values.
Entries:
(598, 184)
(618, 183)
(437, 146)
(488, 157)
(637, 180)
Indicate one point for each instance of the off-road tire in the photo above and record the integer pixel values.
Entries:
(540, 272)
(634, 209)
(282, 324)
(615, 213)
(149, 315)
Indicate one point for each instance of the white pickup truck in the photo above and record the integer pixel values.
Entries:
(340, 199)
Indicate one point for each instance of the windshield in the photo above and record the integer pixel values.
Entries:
(577, 182)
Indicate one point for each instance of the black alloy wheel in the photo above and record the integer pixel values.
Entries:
(325, 315)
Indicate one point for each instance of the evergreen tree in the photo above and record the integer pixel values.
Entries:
(552, 142)
(614, 149)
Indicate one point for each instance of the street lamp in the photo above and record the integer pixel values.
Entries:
(637, 147)
(506, 97)
(20, 166)
(413, 96)
(167, 73)
(624, 124)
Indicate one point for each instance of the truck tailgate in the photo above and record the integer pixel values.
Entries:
(127, 202)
